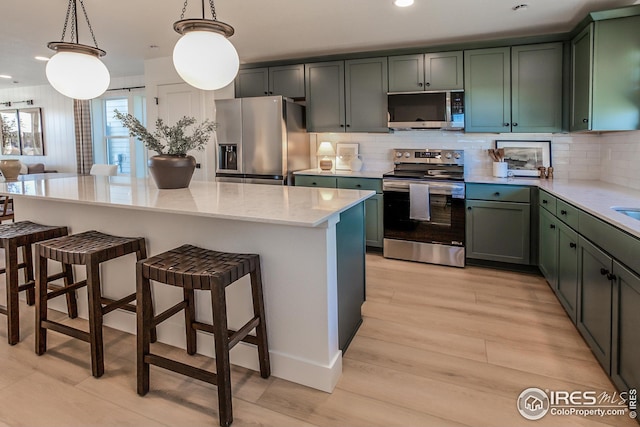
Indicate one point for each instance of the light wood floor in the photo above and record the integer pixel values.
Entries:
(439, 346)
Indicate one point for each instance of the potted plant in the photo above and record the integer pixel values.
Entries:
(171, 167)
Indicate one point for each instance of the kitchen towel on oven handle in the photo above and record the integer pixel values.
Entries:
(419, 202)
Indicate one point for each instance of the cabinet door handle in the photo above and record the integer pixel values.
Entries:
(552, 226)
(572, 245)
(585, 120)
(544, 201)
(611, 277)
(515, 124)
(563, 212)
(506, 124)
(604, 271)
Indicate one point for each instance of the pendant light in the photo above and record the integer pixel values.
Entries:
(203, 56)
(76, 70)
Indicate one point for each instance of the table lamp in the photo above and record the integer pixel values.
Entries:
(327, 152)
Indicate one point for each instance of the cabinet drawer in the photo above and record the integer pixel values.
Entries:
(548, 201)
(360, 184)
(567, 214)
(315, 181)
(500, 193)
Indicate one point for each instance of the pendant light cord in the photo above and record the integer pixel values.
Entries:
(211, 5)
(75, 33)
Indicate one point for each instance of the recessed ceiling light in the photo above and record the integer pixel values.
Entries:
(42, 58)
(4, 76)
(522, 6)
(403, 3)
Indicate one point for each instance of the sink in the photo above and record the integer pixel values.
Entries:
(630, 212)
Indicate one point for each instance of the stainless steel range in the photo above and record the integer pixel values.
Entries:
(424, 214)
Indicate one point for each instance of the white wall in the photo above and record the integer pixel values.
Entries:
(620, 158)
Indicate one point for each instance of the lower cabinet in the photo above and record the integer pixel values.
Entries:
(567, 279)
(548, 255)
(374, 225)
(625, 359)
(595, 288)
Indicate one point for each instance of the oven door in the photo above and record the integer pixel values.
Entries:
(446, 224)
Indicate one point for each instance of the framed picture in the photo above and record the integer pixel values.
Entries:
(525, 157)
(10, 132)
(31, 132)
(344, 153)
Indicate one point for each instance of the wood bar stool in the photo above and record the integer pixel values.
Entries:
(90, 249)
(191, 268)
(22, 235)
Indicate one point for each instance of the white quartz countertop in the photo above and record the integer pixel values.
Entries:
(345, 173)
(594, 197)
(297, 206)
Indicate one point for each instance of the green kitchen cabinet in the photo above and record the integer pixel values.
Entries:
(567, 279)
(605, 94)
(426, 72)
(595, 291)
(374, 206)
(625, 363)
(285, 80)
(347, 96)
(581, 69)
(517, 89)
(548, 249)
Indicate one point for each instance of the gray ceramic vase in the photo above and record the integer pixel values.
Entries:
(171, 172)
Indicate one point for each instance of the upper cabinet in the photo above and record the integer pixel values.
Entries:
(604, 64)
(426, 72)
(347, 96)
(517, 89)
(287, 80)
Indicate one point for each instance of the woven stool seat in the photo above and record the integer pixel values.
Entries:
(90, 248)
(23, 234)
(196, 268)
(193, 268)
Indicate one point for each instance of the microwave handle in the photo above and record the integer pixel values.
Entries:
(448, 115)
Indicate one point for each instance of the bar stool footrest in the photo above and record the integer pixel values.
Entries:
(182, 368)
(61, 290)
(66, 330)
(251, 339)
(122, 303)
(168, 313)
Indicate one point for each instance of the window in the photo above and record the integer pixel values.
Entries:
(111, 141)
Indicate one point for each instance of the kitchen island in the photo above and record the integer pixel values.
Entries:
(311, 244)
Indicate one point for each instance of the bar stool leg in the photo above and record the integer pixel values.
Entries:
(72, 299)
(189, 318)
(13, 312)
(141, 254)
(41, 304)
(261, 329)
(144, 320)
(95, 318)
(223, 366)
(27, 257)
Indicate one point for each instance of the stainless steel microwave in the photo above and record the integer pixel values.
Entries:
(426, 110)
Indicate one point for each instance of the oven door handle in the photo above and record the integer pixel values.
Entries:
(454, 190)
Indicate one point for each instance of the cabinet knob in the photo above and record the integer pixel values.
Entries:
(611, 276)
(358, 185)
(604, 271)
(341, 125)
(270, 93)
(563, 212)
(506, 124)
(420, 84)
(314, 183)
(469, 208)
(572, 245)
(266, 93)
(427, 84)
(544, 201)
(552, 226)
(497, 194)
(348, 126)
(585, 120)
(515, 124)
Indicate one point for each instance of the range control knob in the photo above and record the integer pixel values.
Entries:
(398, 154)
(448, 155)
(407, 154)
(456, 156)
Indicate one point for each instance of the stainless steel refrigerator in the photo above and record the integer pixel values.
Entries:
(260, 140)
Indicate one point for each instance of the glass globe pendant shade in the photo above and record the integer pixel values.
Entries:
(77, 74)
(205, 59)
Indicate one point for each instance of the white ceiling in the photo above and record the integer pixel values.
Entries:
(272, 29)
